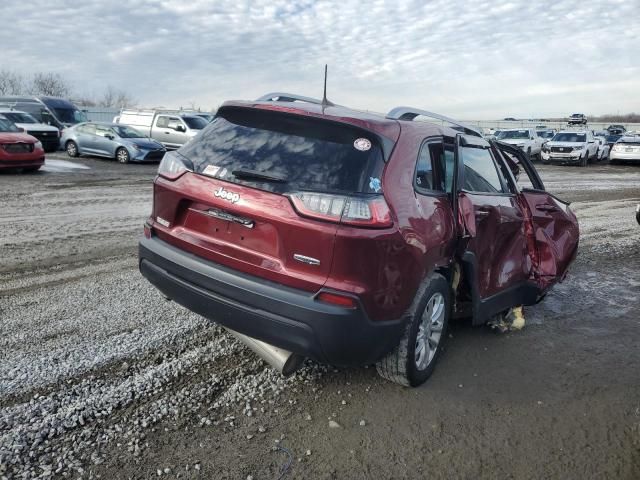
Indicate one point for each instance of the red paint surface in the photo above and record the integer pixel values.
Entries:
(514, 241)
(18, 160)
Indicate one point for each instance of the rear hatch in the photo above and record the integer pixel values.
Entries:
(266, 191)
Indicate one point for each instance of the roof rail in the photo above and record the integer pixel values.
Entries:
(409, 113)
(287, 97)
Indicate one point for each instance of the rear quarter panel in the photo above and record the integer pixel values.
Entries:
(386, 267)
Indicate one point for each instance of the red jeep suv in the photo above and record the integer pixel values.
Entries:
(348, 237)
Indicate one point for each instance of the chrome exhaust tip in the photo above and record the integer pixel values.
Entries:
(283, 361)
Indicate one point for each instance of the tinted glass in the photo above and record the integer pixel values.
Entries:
(19, 117)
(310, 154)
(69, 115)
(424, 169)
(434, 169)
(480, 174)
(570, 137)
(7, 126)
(613, 138)
(127, 132)
(195, 123)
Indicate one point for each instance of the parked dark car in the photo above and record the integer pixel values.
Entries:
(348, 237)
(18, 149)
(611, 139)
(617, 129)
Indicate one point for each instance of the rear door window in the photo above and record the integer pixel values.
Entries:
(306, 154)
(434, 168)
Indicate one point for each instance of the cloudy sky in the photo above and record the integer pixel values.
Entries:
(490, 60)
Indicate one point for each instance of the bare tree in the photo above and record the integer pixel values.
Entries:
(116, 98)
(11, 83)
(50, 84)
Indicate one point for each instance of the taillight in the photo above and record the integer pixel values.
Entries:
(173, 166)
(337, 299)
(148, 229)
(370, 212)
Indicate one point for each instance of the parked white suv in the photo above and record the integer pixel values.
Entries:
(526, 139)
(571, 146)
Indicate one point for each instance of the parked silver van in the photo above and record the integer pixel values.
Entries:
(171, 128)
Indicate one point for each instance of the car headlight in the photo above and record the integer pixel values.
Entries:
(37, 145)
(174, 165)
(135, 146)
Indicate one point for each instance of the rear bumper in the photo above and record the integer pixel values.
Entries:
(282, 316)
(626, 156)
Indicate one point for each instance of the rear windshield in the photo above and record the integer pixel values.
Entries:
(570, 137)
(309, 154)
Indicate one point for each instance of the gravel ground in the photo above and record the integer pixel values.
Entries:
(100, 377)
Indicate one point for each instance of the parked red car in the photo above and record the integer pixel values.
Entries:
(17, 149)
(348, 237)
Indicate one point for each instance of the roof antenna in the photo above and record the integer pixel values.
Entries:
(325, 102)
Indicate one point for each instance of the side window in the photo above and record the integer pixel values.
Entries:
(424, 168)
(162, 121)
(434, 169)
(88, 129)
(102, 131)
(480, 173)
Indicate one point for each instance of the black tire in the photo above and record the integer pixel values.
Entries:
(584, 161)
(31, 169)
(72, 148)
(122, 155)
(400, 365)
(529, 154)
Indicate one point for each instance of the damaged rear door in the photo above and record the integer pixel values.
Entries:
(492, 245)
(551, 227)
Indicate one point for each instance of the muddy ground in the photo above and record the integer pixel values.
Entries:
(100, 377)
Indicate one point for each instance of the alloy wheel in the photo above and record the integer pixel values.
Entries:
(430, 331)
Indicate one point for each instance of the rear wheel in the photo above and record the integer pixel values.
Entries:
(71, 148)
(412, 362)
(122, 155)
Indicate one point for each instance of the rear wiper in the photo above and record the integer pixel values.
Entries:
(246, 173)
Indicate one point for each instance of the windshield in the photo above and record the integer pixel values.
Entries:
(127, 132)
(19, 117)
(311, 154)
(69, 115)
(570, 137)
(511, 134)
(195, 123)
(545, 134)
(7, 126)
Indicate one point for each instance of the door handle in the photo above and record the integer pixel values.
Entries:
(482, 212)
(545, 207)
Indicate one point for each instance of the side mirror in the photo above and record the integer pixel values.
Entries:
(177, 126)
(20, 129)
(109, 136)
